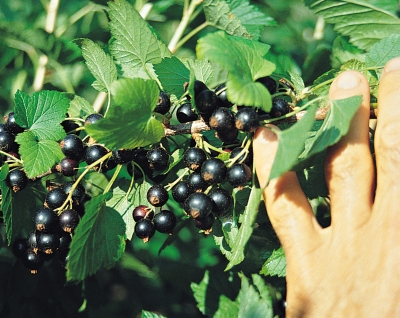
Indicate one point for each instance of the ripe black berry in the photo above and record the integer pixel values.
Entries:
(19, 247)
(196, 182)
(194, 158)
(48, 243)
(144, 229)
(33, 260)
(206, 102)
(198, 87)
(7, 141)
(239, 175)
(17, 180)
(181, 191)
(165, 221)
(221, 199)
(69, 220)
(222, 96)
(280, 107)
(246, 158)
(10, 124)
(157, 195)
(227, 136)
(185, 113)
(65, 240)
(246, 119)
(198, 205)
(94, 153)
(93, 118)
(142, 211)
(55, 198)
(158, 159)
(46, 220)
(204, 224)
(70, 127)
(72, 147)
(222, 119)
(31, 240)
(213, 170)
(269, 83)
(141, 160)
(163, 104)
(68, 167)
(78, 194)
(63, 257)
(122, 156)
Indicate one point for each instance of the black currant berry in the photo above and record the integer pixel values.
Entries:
(7, 141)
(141, 160)
(144, 229)
(48, 243)
(33, 260)
(198, 87)
(220, 90)
(78, 194)
(158, 158)
(221, 199)
(198, 205)
(72, 147)
(94, 153)
(123, 156)
(205, 224)
(196, 182)
(239, 175)
(93, 118)
(157, 195)
(31, 240)
(246, 157)
(269, 83)
(70, 127)
(68, 167)
(181, 191)
(142, 211)
(227, 136)
(10, 124)
(19, 247)
(206, 102)
(63, 257)
(280, 107)
(185, 113)
(65, 240)
(194, 158)
(165, 221)
(46, 220)
(246, 119)
(213, 170)
(163, 104)
(55, 198)
(68, 220)
(17, 180)
(222, 120)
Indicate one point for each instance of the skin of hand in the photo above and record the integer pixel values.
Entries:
(352, 267)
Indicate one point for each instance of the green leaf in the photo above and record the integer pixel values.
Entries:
(42, 113)
(275, 264)
(98, 240)
(292, 143)
(336, 124)
(383, 51)
(172, 74)
(202, 70)
(135, 99)
(148, 314)
(388, 5)
(38, 155)
(246, 228)
(134, 44)
(227, 308)
(4, 171)
(343, 51)
(244, 60)
(80, 107)
(200, 291)
(100, 64)
(364, 23)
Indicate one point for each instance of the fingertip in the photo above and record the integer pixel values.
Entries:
(349, 83)
(392, 65)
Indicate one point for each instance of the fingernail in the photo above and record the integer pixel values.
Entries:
(348, 80)
(392, 65)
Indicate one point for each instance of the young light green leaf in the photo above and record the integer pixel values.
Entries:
(383, 51)
(80, 107)
(275, 264)
(135, 99)
(42, 113)
(388, 5)
(100, 64)
(4, 171)
(336, 124)
(227, 308)
(202, 70)
(244, 60)
(98, 240)
(148, 314)
(172, 74)
(38, 155)
(200, 291)
(292, 143)
(246, 228)
(364, 23)
(134, 45)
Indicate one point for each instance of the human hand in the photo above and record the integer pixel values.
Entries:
(352, 267)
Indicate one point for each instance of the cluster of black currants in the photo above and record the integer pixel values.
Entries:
(53, 227)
